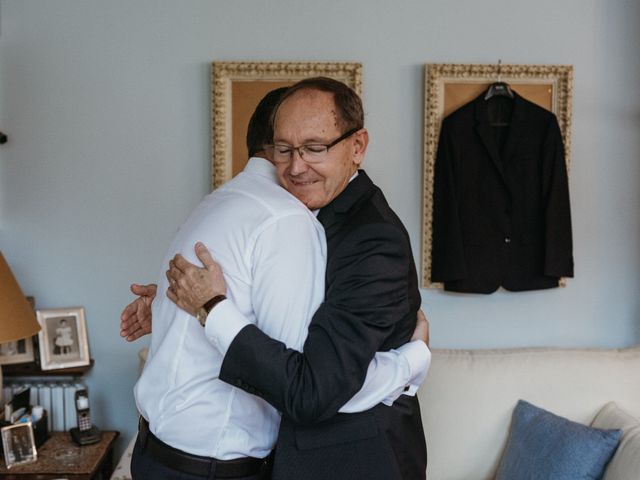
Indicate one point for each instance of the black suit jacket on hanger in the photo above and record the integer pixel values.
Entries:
(501, 201)
(370, 305)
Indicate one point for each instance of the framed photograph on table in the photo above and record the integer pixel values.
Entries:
(63, 339)
(18, 444)
(451, 86)
(236, 89)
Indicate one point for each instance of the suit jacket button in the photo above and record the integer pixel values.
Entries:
(507, 240)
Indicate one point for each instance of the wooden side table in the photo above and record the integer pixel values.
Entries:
(59, 457)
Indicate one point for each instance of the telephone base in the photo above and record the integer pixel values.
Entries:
(86, 437)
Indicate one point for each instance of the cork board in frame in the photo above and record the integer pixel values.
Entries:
(450, 86)
(236, 89)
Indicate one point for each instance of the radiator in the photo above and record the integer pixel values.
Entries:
(56, 397)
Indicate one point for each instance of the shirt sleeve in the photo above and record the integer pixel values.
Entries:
(223, 324)
(390, 374)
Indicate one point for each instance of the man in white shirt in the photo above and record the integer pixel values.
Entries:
(274, 254)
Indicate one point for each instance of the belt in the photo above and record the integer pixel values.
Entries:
(195, 464)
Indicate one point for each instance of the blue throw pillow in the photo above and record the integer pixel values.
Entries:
(545, 446)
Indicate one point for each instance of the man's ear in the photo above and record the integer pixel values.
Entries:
(360, 143)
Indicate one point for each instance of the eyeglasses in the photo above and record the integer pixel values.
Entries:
(310, 152)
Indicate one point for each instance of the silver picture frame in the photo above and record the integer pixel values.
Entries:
(18, 444)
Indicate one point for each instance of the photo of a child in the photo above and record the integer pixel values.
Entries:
(63, 339)
(63, 335)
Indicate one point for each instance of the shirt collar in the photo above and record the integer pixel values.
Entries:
(262, 167)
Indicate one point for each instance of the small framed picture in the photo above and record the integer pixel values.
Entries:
(18, 444)
(18, 351)
(63, 339)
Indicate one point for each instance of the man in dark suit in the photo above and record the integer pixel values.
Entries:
(501, 212)
(370, 304)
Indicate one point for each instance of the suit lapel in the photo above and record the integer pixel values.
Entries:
(504, 160)
(517, 126)
(326, 216)
(486, 134)
(333, 214)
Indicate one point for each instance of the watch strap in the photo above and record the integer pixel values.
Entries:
(208, 306)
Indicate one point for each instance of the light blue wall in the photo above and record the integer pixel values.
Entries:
(106, 105)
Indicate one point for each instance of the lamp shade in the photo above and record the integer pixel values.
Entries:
(17, 318)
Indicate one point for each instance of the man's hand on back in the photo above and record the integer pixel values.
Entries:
(422, 328)
(190, 286)
(135, 320)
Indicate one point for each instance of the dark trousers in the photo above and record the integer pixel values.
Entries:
(143, 467)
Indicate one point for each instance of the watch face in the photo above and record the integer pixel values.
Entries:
(201, 315)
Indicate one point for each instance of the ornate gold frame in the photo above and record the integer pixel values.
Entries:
(225, 74)
(438, 77)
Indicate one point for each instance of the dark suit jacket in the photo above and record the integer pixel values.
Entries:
(370, 305)
(501, 201)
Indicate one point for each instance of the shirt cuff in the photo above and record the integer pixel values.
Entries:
(418, 357)
(224, 322)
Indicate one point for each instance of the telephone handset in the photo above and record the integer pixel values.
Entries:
(85, 433)
(82, 410)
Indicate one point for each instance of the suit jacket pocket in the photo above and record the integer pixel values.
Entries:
(343, 428)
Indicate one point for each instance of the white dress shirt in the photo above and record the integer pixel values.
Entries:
(273, 254)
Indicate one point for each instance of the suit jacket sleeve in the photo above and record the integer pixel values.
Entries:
(366, 295)
(447, 253)
(558, 260)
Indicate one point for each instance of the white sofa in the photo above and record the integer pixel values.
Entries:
(469, 395)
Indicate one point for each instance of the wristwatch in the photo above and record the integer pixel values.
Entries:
(203, 311)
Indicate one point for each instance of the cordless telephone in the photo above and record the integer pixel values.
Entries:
(82, 410)
(85, 433)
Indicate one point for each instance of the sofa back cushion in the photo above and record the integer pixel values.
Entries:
(469, 396)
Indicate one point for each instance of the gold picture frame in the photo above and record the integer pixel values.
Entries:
(450, 86)
(236, 89)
